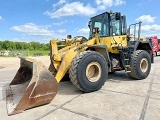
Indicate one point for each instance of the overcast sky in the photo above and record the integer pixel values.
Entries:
(42, 20)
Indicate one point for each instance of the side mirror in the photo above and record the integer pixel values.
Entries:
(89, 24)
(69, 37)
(118, 15)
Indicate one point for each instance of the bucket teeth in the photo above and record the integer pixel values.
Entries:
(33, 85)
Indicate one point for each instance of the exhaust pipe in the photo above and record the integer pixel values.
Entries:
(33, 85)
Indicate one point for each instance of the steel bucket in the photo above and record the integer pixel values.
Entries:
(33, 85)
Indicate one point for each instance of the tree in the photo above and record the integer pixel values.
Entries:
(1, 45)
(35, 45)
(6, 45)
(9, 45)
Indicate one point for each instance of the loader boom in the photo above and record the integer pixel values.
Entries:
(61, 61)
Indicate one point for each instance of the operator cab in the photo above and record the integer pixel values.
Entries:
(109, 24)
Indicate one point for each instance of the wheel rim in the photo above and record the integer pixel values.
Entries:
(93, 71)
(144, 65)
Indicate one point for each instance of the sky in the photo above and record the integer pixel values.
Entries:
(43, 20)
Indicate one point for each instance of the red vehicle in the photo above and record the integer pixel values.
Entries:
(156, 45)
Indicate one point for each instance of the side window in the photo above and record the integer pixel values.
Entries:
(102, 22)
(98, 24)
(103, 28)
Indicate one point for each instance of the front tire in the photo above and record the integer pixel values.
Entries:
(140, 64)
(88, 71)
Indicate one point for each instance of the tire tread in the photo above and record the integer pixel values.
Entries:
(73, 69)
(133, 74)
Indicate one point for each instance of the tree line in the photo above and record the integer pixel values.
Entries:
(10, 45)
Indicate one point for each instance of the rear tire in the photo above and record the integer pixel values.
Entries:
(140, 64)
(88, 71)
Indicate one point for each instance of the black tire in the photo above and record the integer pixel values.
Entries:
(140, 65)
(78, 68)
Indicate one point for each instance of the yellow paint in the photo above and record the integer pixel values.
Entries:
(66, 54)
(64, 65)
(111, 44)
(62, 59)
(57, 57)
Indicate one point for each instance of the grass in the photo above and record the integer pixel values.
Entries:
(27, 53)
(37, 52)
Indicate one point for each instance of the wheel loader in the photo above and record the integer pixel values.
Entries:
(111, 47)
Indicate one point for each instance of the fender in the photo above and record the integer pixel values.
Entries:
(103, 50)
(141, 45)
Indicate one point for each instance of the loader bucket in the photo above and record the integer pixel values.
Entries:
(33, 85)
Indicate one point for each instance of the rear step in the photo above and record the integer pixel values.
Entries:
(128, 68)
(33, 85)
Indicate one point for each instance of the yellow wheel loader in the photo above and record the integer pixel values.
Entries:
(110, 48)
